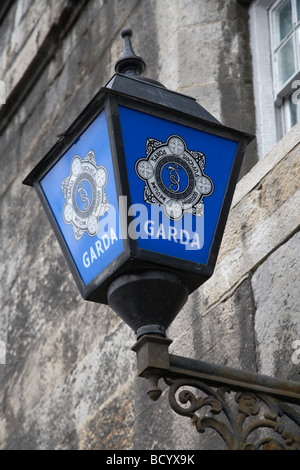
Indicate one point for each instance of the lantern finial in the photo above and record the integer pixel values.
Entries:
(129, 64)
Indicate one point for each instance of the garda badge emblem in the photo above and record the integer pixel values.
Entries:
(85, 198)
(174, 177)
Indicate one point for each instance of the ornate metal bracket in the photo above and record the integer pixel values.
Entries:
(249, 411)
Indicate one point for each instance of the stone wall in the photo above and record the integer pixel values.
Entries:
(69, 378)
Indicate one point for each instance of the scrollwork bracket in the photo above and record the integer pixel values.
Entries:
(241, 418)
(249, 411)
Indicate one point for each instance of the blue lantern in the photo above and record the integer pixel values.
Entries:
(138, 191)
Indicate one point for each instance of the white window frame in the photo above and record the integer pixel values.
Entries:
(271, 111)
(283, 93)
(266, 129)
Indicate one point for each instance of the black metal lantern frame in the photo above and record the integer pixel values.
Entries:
(157, 101)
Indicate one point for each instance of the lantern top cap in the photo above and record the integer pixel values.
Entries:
(130, 63)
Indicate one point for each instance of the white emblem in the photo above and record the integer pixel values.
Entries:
(174, 177)
(85, 198)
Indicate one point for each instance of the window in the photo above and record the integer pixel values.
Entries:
(275, 45)
(284, 17)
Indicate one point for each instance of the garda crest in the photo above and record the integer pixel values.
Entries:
(85, 198)
(174, 177)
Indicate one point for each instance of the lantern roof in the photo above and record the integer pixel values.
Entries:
(127, 81)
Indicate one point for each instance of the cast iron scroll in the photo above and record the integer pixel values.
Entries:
(249, 411)
(253, 420)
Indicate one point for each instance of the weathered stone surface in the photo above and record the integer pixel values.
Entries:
(112, 426)
(207, 11)
(276, 287)
(257, 225)
(62, 411)
(266, 165)
(28, 25)
(224, 334)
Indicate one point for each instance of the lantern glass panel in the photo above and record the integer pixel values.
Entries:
(178, 177)
(81, 192)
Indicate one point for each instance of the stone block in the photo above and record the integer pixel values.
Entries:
(112, 426)
(266, 165)
(30, 29)
(206, 11)
(198, 55)
(276, 287)
(224, 334)
(207, 95)
(61, 412)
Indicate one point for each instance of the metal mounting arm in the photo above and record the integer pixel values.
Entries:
(260, 402)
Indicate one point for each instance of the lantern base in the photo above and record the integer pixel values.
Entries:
(148, 300)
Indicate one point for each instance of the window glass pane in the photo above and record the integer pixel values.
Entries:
(285, 62)
(298, 47)
(298, 10)
(283, 21)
